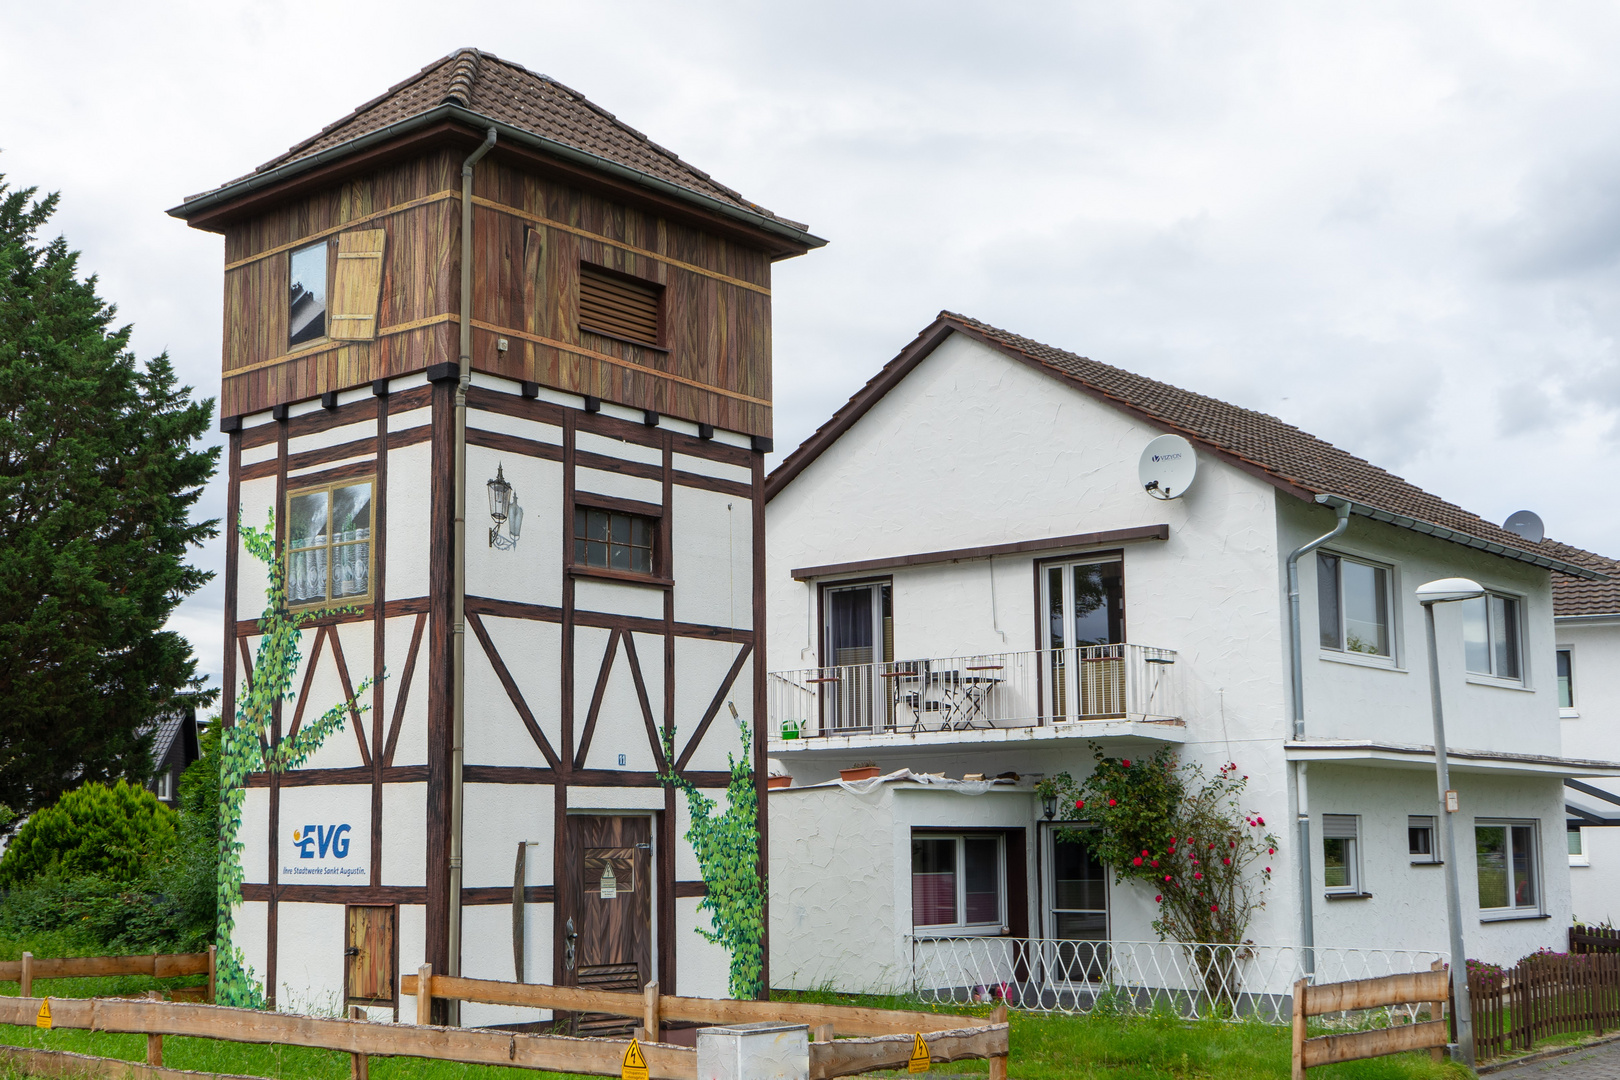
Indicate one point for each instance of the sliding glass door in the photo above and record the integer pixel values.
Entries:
(857, 636)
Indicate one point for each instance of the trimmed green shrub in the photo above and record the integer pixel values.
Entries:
(111, 832)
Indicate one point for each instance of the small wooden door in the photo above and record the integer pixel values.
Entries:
(611, 905)
(370, 956)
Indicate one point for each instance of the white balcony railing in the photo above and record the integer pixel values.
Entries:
(960, 693)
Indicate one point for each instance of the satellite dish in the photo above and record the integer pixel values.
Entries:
(1526, 525)
(1168, 466)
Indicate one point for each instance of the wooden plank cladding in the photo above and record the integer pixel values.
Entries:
(674, 318)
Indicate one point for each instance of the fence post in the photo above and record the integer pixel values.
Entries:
(649, 1011)
(1437, 1011)
(27, 987)
(424, 994)
(154, 1050)
(998, 1063)
(359, 1064)
(1299, 1030)
(213, 971)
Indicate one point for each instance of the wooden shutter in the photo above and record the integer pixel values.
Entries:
(618, 307)
(357, 285)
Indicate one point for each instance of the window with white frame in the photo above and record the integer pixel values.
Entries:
(1577, 846)
(1566, 679)
(163, 785)
(1491, 636)
(1353, 604)
(1422, 842)
(958, 882)
(1507, 867)
(1341, 853)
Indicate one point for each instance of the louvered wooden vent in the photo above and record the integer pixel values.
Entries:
(617, 307)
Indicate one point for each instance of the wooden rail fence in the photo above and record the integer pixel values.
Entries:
(161, 966)
(887, 1042)
(881, 1038)
(1432, 987)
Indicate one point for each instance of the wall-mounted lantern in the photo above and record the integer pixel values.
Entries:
(503, 510)
(1049, 806)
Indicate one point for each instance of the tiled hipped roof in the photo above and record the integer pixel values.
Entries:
(1294, 459)
(1578, 596)
(510, 94)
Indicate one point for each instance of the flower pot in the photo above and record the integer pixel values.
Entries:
(865, 772)
(779, 782)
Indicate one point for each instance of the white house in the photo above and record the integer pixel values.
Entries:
(966, 577)
(479, 293)
(1587, 616)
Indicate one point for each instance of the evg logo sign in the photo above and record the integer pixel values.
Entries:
(324, 839)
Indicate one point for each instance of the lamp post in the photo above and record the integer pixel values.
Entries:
(1446, 591)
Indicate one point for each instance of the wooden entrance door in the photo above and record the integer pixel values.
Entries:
(370, 955)
(611, 883)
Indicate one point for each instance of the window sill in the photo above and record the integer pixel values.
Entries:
(1427, 862)
(1568, 714)
(1382, 663)
(628, 577)
(1580, 860)
(933, 933)
(1347, 896)
(1501, 684)
(1527, 916)
(626, 341)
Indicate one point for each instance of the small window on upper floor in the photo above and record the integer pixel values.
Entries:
(1566, 680)
(1353, 605)
(615, 541)
(621, 307)
(306, 294)
(329, 543)
(1341, 854)
(1491, 636)
(1420, 840)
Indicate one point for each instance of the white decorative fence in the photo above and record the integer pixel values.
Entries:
(1190, 980)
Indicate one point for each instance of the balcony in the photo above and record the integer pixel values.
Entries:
(1096, 691)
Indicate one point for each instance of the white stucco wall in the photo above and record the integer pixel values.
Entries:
(1591, 728)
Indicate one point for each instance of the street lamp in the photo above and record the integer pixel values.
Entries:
(1447, 591)
(503, 510)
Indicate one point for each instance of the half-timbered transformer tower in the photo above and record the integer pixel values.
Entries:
(586, 370)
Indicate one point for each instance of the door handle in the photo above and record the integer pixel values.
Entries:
(352, 950)
(570, 937)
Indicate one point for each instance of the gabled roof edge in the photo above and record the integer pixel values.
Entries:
(944, 325)
(451, 111)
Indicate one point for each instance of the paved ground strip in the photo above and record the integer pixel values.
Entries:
(1593, 1063)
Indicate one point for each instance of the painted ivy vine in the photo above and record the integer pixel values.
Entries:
(245, 748)
(727, 849)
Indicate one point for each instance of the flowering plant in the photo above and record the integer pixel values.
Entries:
(1166, 824)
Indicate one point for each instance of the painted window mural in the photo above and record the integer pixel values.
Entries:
(306, 295)
(329, 543)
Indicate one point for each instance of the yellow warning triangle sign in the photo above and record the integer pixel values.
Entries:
(44, 1018)
(920, 1057)
(635, 1065)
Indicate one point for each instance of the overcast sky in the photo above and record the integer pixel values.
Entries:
(1395, 225)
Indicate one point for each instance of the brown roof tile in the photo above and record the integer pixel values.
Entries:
(1279, 451)
(511, 94)
(1578, 596)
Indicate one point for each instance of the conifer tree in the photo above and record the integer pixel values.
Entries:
(99, 471)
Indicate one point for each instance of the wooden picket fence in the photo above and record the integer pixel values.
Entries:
(1593, 939)
(160, 966)
(1543, 996)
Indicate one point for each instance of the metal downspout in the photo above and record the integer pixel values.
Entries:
(1302, 810)
(458, 616)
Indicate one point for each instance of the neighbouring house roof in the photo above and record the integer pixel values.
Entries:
(1293, 460)
(178, 727)
(481, 88)
(1582, 597)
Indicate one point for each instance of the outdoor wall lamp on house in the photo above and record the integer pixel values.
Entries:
(1447, 591)
(503, 510)
(1049, 806)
